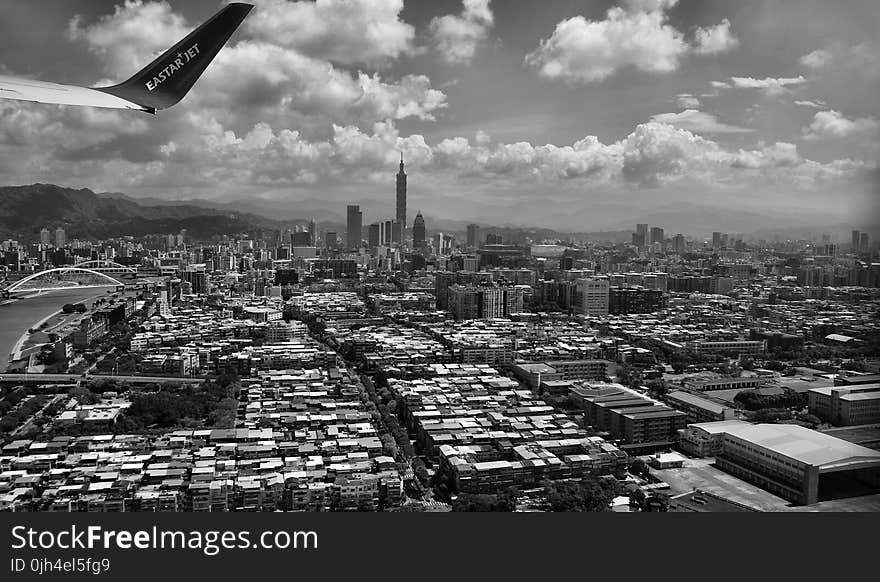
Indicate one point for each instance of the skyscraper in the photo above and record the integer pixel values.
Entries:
(354, 224)
(641, 234)
(419, 231)
(678, 243)
(45, 237)
(717, 240)
(855, 240)
(657, 235)
(473, 235)
(593, 294)
(60, 237)
(864, 242)
(374, 235)
(400, 216)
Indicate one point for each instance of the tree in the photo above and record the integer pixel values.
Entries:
(638, 499)
(639, 467)
(589, 494)
(657, 388)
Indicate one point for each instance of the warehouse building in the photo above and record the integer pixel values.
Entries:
(798, 464)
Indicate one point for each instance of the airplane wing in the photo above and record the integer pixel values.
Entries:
(159, 85)
(43, 92)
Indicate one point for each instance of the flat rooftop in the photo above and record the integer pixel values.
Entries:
(694, 400)
(805, 445)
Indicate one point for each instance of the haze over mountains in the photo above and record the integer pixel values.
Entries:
(24, 210)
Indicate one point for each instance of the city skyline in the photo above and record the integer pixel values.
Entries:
(727, 110)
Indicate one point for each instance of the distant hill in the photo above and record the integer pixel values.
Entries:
(25, 210)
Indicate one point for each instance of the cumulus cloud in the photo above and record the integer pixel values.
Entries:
(698, 122)
(132, 36)
(715, 39)
(457, 37)
(636, 35)
(816, 59)
(769, 86)
(687, 101)
(291, 78)
(861, 56)
(833, 125)
(341, 31)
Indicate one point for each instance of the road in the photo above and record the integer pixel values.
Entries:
(19, 316)
(67, 378)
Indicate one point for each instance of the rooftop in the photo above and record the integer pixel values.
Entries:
(804, 445)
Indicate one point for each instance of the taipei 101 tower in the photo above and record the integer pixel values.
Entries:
(400, 218)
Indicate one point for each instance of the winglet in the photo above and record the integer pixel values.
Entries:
(166, 81)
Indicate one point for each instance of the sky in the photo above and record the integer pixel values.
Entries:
(557, 113)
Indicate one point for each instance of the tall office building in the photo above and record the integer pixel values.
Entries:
(419, 231)
(354, 224)
(60, 238)
(45, 237)
(400, 216)
(641, 234)
(678, 244)
(473, 236)
(717, 240)
(855, 240)
(593, 294)
(657, 235)
(387, 232)
(864, 242)
(374, 235)
(330, 239)
(313, 230)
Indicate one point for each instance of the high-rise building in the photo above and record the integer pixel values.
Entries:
(419, 231)
(678, 244)
(400, 215)
(354, 224)
(657, 235)
(473, 235)
(374, 235)
(717, 240)
(642, 234)
(330, 239)
(60, 238)
(864, 242)
(45, 237)
(593, 295)
(855, 240)
(387, 232)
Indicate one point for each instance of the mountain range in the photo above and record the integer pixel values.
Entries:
(25, 210)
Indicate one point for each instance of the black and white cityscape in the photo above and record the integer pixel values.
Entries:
(447, 256)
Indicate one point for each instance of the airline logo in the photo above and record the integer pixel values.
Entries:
(181, 61)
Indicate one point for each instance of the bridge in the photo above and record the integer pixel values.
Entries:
(106, 267)
(62, 278)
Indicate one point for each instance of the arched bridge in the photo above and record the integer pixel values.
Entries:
(104, 266)
(63, 278)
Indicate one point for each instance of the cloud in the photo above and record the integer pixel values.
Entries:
(813, 104)
(687, 101)
(637, 35)
(816, 59)
(455, 38)
(289, 79)
(715, 39)
(698, 122)
(833, 125)
(341, 31)
(769, 86)
(132, 36)
(861, 56)
(720, 84)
